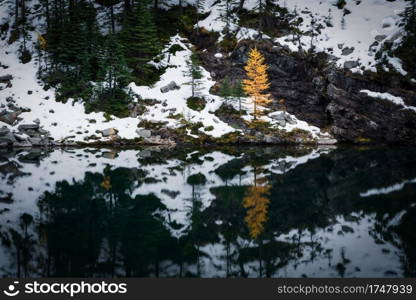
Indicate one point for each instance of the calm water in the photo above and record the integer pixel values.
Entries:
(226, 212)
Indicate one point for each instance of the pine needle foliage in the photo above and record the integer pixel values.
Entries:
(257, 81)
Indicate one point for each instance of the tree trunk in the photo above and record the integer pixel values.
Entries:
(240, 6)
(16, 11)
(113, 26)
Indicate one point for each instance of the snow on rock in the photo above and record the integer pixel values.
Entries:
(389, 97)
(368, 24)
(288, 122)
(175, 101)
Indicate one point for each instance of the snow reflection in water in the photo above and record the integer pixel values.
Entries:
(208, 212)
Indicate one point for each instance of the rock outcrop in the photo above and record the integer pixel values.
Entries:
(316, 91)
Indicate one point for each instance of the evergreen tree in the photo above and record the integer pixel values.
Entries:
(238, 92)
(199, 5)
(410, 17)
(257, 82)
(226, 16)
(113, 68)
(226, 90)
(109, 5)
(406, 51)
(194, 72)
(139, 37)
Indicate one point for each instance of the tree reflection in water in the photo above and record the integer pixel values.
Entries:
(255, 212)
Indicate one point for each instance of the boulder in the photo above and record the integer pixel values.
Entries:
(380, 37)
(6, 136)
(25, 127)
(5, 78)
(8, 117)
(350, 64)
(109, 132)
(170, 87)
(4, 131)
(36, 141)
(279, 115)
(144, 133)
(22, 144)
(347, 51)
(289, 119)
(20, 137)
(327, 141)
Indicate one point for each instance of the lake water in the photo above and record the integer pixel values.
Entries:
(220, 212)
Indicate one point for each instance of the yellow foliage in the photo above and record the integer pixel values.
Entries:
(106, 184)
(42, 42)
(257, 82)
(257, 205)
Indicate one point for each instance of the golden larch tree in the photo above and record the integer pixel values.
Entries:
(257, 82)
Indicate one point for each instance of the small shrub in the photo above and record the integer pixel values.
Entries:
(340, 4)
(228, 43)
(25, 57)
(196, 103)
(175, 48)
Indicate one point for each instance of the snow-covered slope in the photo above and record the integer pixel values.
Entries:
(369, 24)
(174, 101)
(348, 41)
(353, 34)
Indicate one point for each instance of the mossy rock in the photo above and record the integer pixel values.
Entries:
(229, 138)
(362, 140)
(196, 103)
(151, 125)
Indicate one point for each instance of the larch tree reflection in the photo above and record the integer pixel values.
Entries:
(256, 202)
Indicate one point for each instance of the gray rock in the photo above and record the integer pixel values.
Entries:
(109, 132)
(395, 36)
(6, 136)
(350, 64)
(4, 131)
(144, 133)
(36, 121)
(9, 117)
(145, 153)
(43, 131)
(22, 144)
(25, 127)
(327, 141)
(289, 119)
(109, 154)
(7, 77)
(36, 141)
(19, 138)
(347, 51)
(280, 115)
(380, 37)
(170, 87)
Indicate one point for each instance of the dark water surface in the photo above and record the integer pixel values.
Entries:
(222, 212)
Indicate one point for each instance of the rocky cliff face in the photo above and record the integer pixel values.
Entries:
(315, 90)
